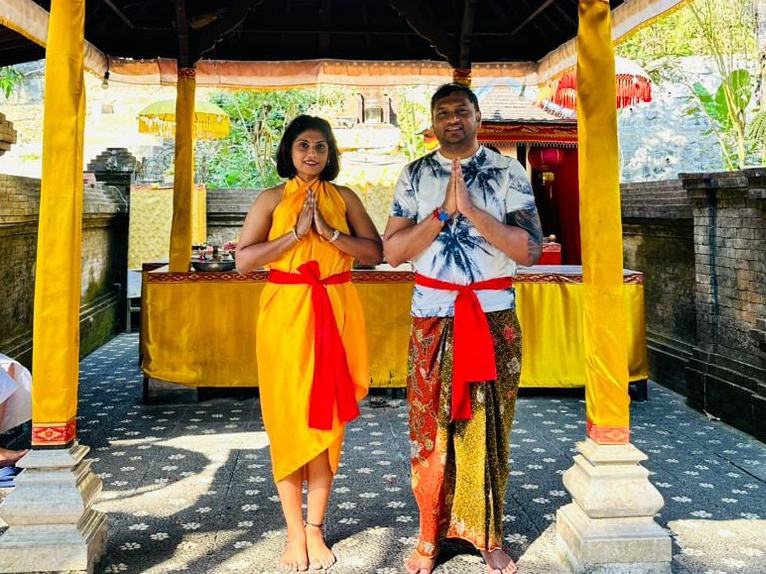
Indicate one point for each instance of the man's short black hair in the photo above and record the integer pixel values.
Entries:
(285, 165)
(448, 89)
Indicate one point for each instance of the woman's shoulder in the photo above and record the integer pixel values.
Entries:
(272, 194)
(345, 191)
(349, 196)
(276, 190)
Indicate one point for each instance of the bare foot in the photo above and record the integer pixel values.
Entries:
(320, 556)
(295, 557)
(498, 562)
(10, 457)
(416, 563)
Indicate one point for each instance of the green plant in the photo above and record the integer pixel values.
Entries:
(726, 112)
(246, 158)
(414, 115)
(10, 77)
(725, 31)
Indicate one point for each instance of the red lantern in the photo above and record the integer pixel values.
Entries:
(545, 158)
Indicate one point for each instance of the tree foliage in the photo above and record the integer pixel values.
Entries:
(724, 31)
(414, 115)
(10, 77)
(246, 158)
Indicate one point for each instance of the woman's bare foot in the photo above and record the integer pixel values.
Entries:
(416, 563)
(320, 556)
(10, 457)
(498, 562)
(295, 558)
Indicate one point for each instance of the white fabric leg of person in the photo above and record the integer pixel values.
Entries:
(15, 402)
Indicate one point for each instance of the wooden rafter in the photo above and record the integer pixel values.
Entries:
(207, 37)
(366, 21)
(120, 14)
(325, 22)
(427, 28)
(466, 30)
(184, 56)
(532, 16)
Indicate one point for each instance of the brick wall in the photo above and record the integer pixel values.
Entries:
(658, 240)
(226, 211)
(103, 264)
(727, 373)
(701, 243)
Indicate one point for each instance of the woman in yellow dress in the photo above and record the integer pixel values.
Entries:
(311, 344)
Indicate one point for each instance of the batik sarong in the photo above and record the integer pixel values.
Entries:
(460, 468)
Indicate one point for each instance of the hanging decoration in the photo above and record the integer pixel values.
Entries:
(546, 160)
(633, 86)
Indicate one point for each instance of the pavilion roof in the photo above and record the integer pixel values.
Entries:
(508, 104)
(258, 42)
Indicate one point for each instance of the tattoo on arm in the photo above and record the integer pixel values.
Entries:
(529, 221)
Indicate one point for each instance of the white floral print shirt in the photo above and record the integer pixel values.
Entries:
(459, 254)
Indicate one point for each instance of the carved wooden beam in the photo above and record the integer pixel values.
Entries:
(427, 28)
(466, 31)
(325, 23)
(184, 56)
(207, 37)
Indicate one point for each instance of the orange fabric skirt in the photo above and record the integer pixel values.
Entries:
(285, 342)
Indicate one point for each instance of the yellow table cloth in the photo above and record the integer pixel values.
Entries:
(198, 329)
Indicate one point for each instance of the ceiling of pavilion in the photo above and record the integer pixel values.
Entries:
(460, 32)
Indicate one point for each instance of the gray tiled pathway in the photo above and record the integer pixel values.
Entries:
(187, 485)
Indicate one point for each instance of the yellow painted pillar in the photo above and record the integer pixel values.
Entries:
(56, 335)
(605, 321)
(183, 181)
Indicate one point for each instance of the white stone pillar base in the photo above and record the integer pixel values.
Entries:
(609, 527)
(51, 523)
(604, 545)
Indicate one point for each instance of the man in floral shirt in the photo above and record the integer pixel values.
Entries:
(465, 216)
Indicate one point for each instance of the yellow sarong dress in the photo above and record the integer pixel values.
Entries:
(285, 335)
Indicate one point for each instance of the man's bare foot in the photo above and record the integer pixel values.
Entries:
(295, 558)
(11, 457)
(416, 563)
(320, 556)
(498, 562)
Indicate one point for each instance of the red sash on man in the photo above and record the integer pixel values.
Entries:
(473, 351)
(332, 381)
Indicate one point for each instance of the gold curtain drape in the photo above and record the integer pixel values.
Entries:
(181, 231)
(55, 363)
(151, 221)
(605, 333)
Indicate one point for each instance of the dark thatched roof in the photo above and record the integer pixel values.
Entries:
(457, 31)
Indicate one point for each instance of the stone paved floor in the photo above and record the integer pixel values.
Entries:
(187, 484)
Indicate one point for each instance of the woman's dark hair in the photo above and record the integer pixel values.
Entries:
(285, 166)
(448, 89)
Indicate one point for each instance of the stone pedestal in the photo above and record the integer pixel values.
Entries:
(609, 527)
(51, 523)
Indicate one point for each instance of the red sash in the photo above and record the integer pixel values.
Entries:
(332, 381)
(473, 349)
